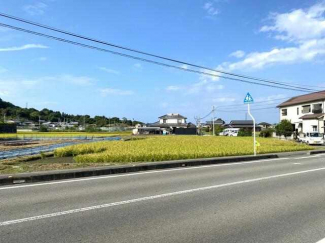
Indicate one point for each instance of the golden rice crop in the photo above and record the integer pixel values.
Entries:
(173, 148)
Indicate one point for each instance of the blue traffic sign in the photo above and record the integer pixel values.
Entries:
(248, 99)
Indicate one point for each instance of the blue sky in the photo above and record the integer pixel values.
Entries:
(278, 40)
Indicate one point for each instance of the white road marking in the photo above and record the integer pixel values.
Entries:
(148, 198)
(136, 174)
(308, 157)
(297, 163)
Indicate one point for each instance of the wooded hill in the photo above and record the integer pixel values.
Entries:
(11, 111)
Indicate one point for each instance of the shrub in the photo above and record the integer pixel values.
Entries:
(245, 132)
(267, 133)
(43, 129)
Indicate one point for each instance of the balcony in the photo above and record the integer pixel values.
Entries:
(317, 111)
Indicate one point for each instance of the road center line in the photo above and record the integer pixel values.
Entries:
(136, 174)
(148, 198)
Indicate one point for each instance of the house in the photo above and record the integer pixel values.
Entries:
(217, 122)
(265, 125)
(305, 112)
(243, 124)
(171, 123)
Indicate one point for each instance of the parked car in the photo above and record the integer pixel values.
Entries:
(231, 132)
(312, 138)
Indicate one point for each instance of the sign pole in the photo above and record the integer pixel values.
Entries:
(254, 130)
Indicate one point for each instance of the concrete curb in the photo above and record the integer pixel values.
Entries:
(107, 170)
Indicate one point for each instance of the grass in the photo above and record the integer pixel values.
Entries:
(40, 163)
(162, 148)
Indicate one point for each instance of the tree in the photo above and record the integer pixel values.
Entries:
(218, 129)
(284, 128)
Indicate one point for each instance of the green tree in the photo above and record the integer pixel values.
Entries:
(284, 128)
(218, 129)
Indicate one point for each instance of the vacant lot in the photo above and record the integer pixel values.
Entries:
(172, 148)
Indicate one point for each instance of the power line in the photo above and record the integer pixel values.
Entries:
(257, 109)
(258, 102)
(290, 85)
(145, 60)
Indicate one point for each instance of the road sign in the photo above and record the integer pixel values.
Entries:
(248, 99)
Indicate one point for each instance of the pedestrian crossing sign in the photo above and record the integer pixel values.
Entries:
(248, 99)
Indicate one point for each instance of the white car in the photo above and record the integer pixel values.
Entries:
(312, 138)
(231, 132)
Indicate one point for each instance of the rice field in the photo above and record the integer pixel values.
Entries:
(162, 148)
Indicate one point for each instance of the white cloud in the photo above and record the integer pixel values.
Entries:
(184, 66)
(304, 52)
(223, 100)
(299, 24)
(304, 29)
(107, 70)
(24, 47)
(238, 54)
(42, 59)
(173, 88)
(35, 9)
(137, 66)
(211, 10)
(109, 91)
(200, 86)
(77, 80)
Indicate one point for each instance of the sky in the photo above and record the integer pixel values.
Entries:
(277, 40)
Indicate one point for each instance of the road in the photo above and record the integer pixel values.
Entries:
(275, 200)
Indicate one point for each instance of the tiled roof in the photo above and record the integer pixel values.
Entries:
(312, 116)
(172, 116)
(317, 96)
(241, 122)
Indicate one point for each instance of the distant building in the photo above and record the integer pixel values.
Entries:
(305, 112)
(265, 125)
(170, 123)
(243, 124)
(217, 122)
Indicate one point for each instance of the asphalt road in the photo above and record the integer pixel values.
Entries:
(278, 200)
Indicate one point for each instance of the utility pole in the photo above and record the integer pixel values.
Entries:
(39, 122)
(213, 113)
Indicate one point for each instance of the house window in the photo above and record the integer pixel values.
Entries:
(284, 112)
(179, 121)
(297, 110)
(317, 108)
(314, 128)
(306, 109)
(164, 121)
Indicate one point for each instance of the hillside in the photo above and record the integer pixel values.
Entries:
(11, 111)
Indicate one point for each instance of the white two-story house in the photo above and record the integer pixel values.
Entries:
(305, 112)
(173, 119)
